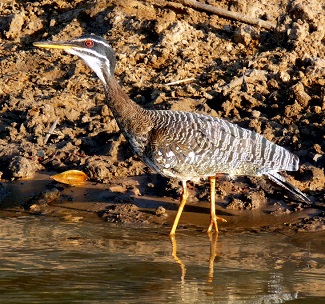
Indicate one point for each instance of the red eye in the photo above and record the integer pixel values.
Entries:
(89, 43)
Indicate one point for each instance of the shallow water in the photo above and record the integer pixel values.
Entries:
(47, 260)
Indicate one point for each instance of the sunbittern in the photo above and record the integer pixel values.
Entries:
(183, 145)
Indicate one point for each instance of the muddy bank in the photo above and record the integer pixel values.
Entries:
(128, 202)
(158, 42)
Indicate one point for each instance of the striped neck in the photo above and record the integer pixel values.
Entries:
(130, 117)
(117, 100)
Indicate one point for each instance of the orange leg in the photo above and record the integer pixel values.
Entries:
(214, 218)
(182, 203)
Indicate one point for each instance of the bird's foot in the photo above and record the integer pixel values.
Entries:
(214, 223)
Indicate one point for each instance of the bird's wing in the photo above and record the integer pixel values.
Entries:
(250, 148)
(187, 141)
(190, 142)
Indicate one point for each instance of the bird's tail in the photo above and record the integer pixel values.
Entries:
(280, 180)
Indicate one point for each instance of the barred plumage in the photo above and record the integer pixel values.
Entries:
(183, 145)
(190, 146)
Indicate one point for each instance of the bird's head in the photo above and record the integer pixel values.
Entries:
(94, 50)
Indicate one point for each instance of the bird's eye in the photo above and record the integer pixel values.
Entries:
(89, 43)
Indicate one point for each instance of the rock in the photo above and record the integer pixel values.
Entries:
(292, 110)
(161, 211)
(98, 170)
(284, 76)
(245, 34)
(317, 180)
(298, 31)
(16, 25)
(301, 96)
(164, 21)
(175, 34)
(236, 204)
(42, 199)
(22, 167)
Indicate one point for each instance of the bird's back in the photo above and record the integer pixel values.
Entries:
(189, 146)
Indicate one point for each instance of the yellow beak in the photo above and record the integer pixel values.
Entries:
(54, 45)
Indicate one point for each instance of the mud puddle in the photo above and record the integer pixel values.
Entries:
(48, 260)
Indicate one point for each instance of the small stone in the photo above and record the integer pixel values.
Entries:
(317, 110)
(105, 110)
(256, 114)
(284, 76)
(40, 200)
(22, 167)
(292, 110)
(161, 211)
(301, 96)
(245, 33)
(16, 25)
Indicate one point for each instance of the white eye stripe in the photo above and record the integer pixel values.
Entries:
(106, 45)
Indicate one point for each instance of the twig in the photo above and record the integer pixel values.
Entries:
(51, 131)
(249, 75)
(179, 81)
(228, 14)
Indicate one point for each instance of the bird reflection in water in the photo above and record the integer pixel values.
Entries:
(213, 239)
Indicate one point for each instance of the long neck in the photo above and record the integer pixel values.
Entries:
(131, 118)
(123, 108)
(118, 101)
